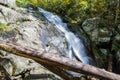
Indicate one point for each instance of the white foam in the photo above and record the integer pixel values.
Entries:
(75, 44)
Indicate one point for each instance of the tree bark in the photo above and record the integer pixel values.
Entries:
(58, 61)
(117, 13)
(110, 62)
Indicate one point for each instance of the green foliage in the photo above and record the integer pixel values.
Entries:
(23, 3)
(5, 28)
(74, 10)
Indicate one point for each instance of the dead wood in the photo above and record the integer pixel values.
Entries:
(58, 61)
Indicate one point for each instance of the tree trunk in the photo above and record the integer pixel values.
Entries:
(58, 61)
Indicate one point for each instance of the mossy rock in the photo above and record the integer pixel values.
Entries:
(5, 28)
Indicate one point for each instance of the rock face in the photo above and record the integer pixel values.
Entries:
(30, 29)
(9, 2)
(104, 40)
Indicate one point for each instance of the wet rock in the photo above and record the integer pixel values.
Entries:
(90, 24)
(104, 39)
(91, 28)
(30, 29)
(96, 33)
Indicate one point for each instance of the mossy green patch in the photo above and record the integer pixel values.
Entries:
(5, 28)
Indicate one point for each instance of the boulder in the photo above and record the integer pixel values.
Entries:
(29, 29)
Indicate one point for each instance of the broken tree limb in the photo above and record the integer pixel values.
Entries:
(60, 72)
(58, 61)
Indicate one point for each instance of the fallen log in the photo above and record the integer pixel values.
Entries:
(58, 61)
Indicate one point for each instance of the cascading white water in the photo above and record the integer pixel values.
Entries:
(76, 47)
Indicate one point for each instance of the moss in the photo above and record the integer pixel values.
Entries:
(5, 28)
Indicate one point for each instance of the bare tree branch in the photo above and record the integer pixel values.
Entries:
(58, 61)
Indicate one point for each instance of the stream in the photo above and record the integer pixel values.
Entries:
(76, 47)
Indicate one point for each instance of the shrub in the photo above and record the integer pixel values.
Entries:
(74, 10)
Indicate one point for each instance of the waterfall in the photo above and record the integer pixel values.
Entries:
(76, 46)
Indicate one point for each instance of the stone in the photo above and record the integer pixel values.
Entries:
(11, 3)
(30, 29)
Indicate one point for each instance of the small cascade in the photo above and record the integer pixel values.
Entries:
(76, 47)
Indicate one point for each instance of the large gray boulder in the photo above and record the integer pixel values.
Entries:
(29, 29)
(11, 3)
